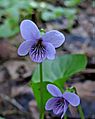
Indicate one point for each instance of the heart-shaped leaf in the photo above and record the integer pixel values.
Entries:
(60, 68)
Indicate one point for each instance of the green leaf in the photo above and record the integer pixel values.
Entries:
(46, 6)
(58, 11)
(69, 12)
(13, 11)
(36, 90)
(68, 65)
(4, 3)
(48, 15)
(34, 4)
(9, 28)
(2, 118)
(71, 3)
(62, 67)
(93, 4)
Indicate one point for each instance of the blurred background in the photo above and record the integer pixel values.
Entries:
(76, 19)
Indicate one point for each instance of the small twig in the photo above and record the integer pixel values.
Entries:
(12, 101)
(89, 71)
(15, 112)
(9, 112)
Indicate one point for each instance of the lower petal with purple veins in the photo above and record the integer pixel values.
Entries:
(37, 53)
(58, 109)
(65, 108)
(59, 106)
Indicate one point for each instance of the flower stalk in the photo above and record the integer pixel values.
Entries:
(79, 107)
(65, 116)
(41, 92)
(81, 112)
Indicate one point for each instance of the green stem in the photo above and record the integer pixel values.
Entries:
(79, 107)
(81, 112)
(65, 116)
(41, 92)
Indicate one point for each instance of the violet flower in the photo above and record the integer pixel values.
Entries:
(59, 103)
(39, 47)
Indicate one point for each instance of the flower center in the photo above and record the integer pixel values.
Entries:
(39, 43)
(38, 50)
(60, 102)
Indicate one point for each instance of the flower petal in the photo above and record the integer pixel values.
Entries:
(37, 54)
(36, 58)
(65, 108)
(24, 48)
(54, 37)
(58, 109)
(29, 30)
(72, 98)
(50, 50)
(51, 103)
(53, 90)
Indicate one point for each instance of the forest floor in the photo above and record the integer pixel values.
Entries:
(16, 97)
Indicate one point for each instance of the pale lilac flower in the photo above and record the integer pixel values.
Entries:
(39, 47)
(59, 103)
